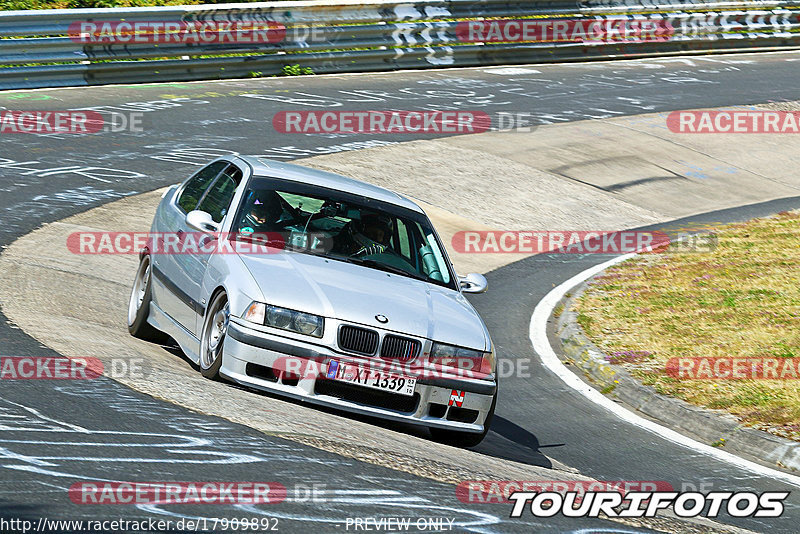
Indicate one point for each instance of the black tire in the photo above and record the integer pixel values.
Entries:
(139, 306)
(465, 439)
(212, 338)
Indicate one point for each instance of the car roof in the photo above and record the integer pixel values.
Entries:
(297, 173)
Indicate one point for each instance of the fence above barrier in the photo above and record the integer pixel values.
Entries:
(54, 48)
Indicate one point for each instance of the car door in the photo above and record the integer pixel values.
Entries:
(190, 264)
(170, 223)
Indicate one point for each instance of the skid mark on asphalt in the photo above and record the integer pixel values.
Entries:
(173, 451)
(61, 454)
(12, 413)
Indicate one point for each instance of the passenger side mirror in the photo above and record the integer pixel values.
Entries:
(473, 283)
(201, 221)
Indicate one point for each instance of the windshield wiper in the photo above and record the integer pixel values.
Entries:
(365, 262)
(375, 264)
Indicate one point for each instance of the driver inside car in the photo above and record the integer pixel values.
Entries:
(265, 215)
(374, 233)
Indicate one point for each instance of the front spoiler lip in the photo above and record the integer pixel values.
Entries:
(239, 334)
(332, 402)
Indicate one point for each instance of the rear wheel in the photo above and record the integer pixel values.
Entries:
(465, 439)
(139, 305)
(215, 328)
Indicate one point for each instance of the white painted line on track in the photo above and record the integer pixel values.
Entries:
(538, 337)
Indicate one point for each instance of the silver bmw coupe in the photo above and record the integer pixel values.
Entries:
(320, 288)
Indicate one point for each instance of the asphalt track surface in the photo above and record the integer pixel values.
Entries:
(118, 433)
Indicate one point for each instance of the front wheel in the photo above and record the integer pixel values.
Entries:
(215, 328)
(139, 305)
(465, 439)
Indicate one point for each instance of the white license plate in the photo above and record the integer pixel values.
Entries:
(370, 378)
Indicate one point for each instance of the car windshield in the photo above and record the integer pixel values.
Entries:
(344, 227)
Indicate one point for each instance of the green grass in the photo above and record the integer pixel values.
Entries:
(740, 300)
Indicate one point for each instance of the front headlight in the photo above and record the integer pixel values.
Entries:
(279, 317)
(306, 323)
(285, 319)
(467, 362)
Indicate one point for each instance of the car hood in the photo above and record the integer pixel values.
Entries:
(357, 294)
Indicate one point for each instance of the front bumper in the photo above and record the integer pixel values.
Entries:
(255, 358)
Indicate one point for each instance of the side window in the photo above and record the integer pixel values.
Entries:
(437, 270)
(430, 255)
(217, 199)
(197, 185)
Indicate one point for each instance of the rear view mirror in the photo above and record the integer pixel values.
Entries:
(473, 283)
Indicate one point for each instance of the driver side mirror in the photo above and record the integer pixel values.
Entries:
(473, 283)
(201, 221)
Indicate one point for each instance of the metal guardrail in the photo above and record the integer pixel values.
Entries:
(54, 48)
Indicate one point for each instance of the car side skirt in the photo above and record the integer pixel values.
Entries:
(188, 343)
